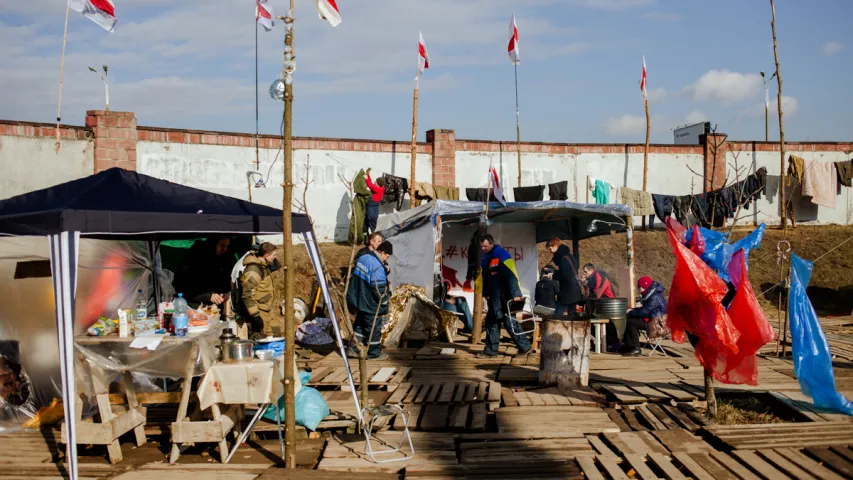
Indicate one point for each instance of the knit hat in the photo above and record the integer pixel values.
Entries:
(386, 247)
(645, 282)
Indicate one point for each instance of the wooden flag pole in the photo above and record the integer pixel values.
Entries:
(517, 126)
(646, 151)
(257, 115)
(61, 72)
(414, 138)
(287, 233)
(477, 333)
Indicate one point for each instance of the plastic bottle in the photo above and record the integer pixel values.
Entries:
(141, 306)
(181, 320)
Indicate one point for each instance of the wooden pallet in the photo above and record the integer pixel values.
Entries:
(551, 397)
(439, 417)
(781, 435)
(447, 392)
(346, 452)
(632, 393)
(804, 406)
(550, 422)
(509, 450)
(646, 417)
(387, 377)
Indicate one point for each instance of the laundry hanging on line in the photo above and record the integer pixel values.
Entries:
(600, 191)
(396, 188)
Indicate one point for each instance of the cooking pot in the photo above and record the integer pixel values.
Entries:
(236, 351)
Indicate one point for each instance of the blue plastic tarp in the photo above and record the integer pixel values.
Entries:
(717, 252)
(812, 360)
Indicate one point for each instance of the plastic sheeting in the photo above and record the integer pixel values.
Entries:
(716, 251)
(109, 275)
(812, 360)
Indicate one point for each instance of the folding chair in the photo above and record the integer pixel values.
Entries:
(384, 411)
(655, 342)
(534, 320)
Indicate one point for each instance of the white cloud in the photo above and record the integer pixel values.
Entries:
(662, 16)
(790, 106)
(725, 87)
(696, 117)
(656, 94)
(613, 4)
(830, 48)
(625, 125)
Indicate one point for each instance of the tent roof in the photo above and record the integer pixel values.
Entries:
(117, 202)
(552, 218)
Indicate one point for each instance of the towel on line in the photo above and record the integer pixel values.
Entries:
(640, 202)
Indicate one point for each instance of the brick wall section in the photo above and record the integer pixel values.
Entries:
(115, 139)
(715, 148)
(32, 129)
(573, 148)
(443, 157)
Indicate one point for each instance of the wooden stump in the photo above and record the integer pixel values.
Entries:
(564, 360)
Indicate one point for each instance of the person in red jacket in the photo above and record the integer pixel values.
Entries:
(372, 215)
(598, 283)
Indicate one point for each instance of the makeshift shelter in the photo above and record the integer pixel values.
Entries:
(431, 242)
(126, 206)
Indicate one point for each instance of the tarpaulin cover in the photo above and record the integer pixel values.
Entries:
(695, 304)
(812, 360)
(748, 318)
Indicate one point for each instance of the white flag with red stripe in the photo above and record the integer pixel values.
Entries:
(328, 10)
(497, 190)
(423, 55)
(264, 15)
(512, 48)
(101, 12)
(643, 80)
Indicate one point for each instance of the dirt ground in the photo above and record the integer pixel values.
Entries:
(830, 289)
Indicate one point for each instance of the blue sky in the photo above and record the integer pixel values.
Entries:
(190, 64)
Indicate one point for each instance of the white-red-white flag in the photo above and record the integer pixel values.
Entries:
(328, 10)
(497, 190)
(423, 55)
(101, 12)
(643, 80)
(264, 15)
(512, 48)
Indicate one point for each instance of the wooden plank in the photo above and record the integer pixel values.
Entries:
(399, 394)
(694, 468)
(711, 466)
(319, 374)
(678, 440)
(535, 399)
(837, 463)
(481, 392)
(413, 392)
(650, 418)
(435, 417)
(844, 452)
(808, 464)
(471, 393)
(785, 465)
(599, 446)
(508, 397)
(460, 393)
(756, 463)
(422, 395)
(446, 392)
(617, 419)
(662, 416)
(412, 413)
(628, 413)
(433, 393)
(638, 463)
(523, 399)
(674, 391)
(681, 417)
(478, 417)
(383, 375)
(402, 375)
(459, 417)
(590, 471)
(612, 468)
(650, 393)
(734, 466)
(494, 392)
(624, 394)
(147, 398)
(666, 466)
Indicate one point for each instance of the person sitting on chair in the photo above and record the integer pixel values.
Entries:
(547, 288)
(597, 282)
(653, 305)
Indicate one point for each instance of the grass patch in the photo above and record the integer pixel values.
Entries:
(744, 411)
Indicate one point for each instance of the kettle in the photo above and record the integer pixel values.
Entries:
(225, 341)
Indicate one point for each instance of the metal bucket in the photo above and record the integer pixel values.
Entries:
(613, 309)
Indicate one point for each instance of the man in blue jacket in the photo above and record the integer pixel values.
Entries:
(498, 283)
(368, 296)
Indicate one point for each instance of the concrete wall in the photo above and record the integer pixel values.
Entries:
(222, 169)
(30, 163)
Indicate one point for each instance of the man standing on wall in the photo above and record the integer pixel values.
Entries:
(498, 283)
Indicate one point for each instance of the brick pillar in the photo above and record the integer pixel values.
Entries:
(115, 139)
(715, 149)
(443, 157)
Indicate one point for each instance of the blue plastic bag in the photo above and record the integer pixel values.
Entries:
(718, 251)
(310, 406)
(812, 360)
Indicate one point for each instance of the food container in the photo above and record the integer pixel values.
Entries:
(165, 312)
(143, 328)
(240, 350)
(125, 322)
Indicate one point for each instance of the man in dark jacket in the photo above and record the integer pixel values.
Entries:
(567, 275)
(205, 277)
(653, 306)
(547, 288)
(368, 295)
(498, 283)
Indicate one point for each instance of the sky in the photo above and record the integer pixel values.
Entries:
(190, 64)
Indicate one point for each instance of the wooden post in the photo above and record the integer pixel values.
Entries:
(646, 150)
(517, 125)
(710, 394)
(564, 360)
(781, 123)
(587, 189)
(629, 231)
(477, 334)
(414, 141)
(289, 270)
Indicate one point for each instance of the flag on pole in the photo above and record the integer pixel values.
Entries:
(328, 10)
(264, 15)
(101, 12)
(495, 180)
(643, 80)
(512, 48)
(423, 55)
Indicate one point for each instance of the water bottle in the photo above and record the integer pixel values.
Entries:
(181, 320)
(141, 306)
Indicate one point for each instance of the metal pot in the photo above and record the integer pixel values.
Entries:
(240, 350)
(613, 309)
